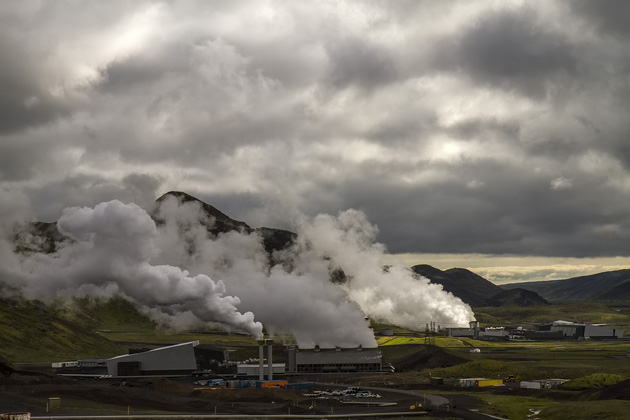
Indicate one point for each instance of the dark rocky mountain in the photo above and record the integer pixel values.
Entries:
(273, 239)
(618, 292)
(475, 290)
(517, 297)
(610, 285)
(466, 285)
(45, 237)
(220, 223)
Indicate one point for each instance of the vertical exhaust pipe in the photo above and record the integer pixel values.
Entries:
(261, 357)
(270, 358)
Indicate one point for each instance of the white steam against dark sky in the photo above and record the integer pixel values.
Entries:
(182, 275)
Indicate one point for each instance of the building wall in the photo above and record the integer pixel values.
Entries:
(176, 359)
(461, 332)
(595, 331)
(335, 360)
(254, 370)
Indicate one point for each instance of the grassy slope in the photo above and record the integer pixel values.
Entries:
(32, 331)
(587, 410)
(114, 314)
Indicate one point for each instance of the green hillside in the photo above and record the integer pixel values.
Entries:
(32, 331)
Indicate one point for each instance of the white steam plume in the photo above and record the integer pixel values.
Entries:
(117, 248)
(394, 295)
(299, 296)
(110, 250)
(301, 299)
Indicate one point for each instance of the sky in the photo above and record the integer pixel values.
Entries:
(492, 135)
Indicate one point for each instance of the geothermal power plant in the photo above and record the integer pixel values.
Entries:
(190, 357)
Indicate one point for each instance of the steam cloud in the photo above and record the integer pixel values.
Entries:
(110, 252)
(117, 248)
(394, 294)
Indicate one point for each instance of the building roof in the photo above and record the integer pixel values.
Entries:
(166, 348)
(338, 356)
(176, 357)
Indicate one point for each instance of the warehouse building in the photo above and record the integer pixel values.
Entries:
(253, 370)
(178, 359)
(331, 360)
(581, 331)
(211, 357)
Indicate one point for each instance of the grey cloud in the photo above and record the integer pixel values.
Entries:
(357, 62)
(509, 49)
(609, 16)
(514, 211)
(24, 102)
(49, 201)
(259, 98)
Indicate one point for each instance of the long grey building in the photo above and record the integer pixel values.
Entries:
(577, 330)
(329, 360)
(178, 359)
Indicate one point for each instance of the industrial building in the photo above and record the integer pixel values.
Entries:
(473, 331)
(542, 383)
(330, 360)
(250, 370)
(581, 331)
(178, 359)
(212, 358)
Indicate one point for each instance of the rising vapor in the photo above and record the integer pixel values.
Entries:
(108, 253)
(168, 268)
(395, 294)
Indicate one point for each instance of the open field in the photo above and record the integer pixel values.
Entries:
(33, 331)
(616, 313)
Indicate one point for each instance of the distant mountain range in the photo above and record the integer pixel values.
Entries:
(610, 285)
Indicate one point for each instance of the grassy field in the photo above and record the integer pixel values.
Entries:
(587, 410)
(589, 312)
(511, 406)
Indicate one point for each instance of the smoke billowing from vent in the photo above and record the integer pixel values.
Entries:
(169, 268)
(110, 250)
(298, 296)
(394, 294)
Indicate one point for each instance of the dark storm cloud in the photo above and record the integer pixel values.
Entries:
(455, 126)
(513, 211)
(91, 190)
(24, 102)
(356, 62)
(509, 49)
(609, 16)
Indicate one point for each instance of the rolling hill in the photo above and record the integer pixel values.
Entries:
(610, 285)
(466, 285)
(475, 290)
(33, 331)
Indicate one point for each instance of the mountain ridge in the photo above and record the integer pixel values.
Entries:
(476, 291)
(607, 285)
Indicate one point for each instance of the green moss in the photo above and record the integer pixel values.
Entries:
(587, 410)
(596, 380)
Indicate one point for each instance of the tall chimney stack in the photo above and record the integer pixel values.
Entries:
(270, 358)
(261, 357)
